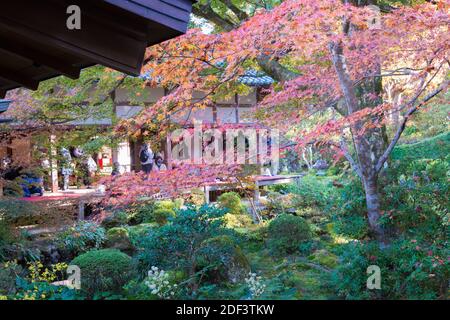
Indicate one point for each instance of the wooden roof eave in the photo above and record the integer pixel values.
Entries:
(36, 45)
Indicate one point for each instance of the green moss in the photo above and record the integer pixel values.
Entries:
(325, 258)
(432, 148)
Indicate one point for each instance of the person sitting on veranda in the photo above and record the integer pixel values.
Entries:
(116, 169)
(159, 164)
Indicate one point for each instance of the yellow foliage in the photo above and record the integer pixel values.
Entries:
(39, 274)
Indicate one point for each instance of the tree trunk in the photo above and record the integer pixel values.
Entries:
(368, 148)
(373, 208)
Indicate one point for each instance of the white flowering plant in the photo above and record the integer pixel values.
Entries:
(158, 282)
(255, 285)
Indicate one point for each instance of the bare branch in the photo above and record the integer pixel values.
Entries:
(402, 126)
(349, 158)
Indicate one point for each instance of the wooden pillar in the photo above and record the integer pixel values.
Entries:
(53, 163)
(256, 193)
(169, 152)
(206, 192)
(236, 107)
(81, 206)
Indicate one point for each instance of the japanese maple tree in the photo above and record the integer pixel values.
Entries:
(325, 55)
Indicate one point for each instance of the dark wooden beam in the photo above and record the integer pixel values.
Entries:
(95, 41)
(40, 58)
(36, 45)
(18, 77)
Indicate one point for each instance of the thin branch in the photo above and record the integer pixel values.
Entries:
(347, 155)
(402, 126)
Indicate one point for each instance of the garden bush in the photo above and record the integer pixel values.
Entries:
(9, 271)
(12, 188)
(29, 290)
(312, 191)
(223, 259)
(161, 216)
(277, 203)
(140, 232)
(286, 233)
(119, 238)
(36, 281)
(82, 237)
(313, 215)
(417, 199)
(410, 269)
(176, 245)
(6, 234)
(196, 197)
(106, 270)
(166, 204)
(232, 202)
(140, 213)
(115, 219)
(18, 213)
(348, 210)
(157, 285)
(158, 212)
(238, 220)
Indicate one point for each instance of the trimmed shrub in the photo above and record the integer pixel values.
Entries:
(106, 270)
(287, 233)
(118, 238)
(277, 203)
(232, 202)
(116, 233)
